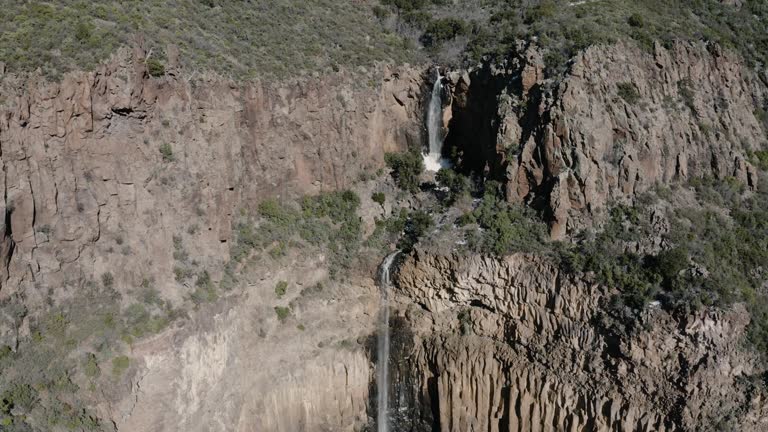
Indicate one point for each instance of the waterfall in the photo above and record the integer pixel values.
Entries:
(382, 368)
(433, 160)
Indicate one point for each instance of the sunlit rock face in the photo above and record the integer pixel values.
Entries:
(508, 344)
(113, 172)
(620, 121)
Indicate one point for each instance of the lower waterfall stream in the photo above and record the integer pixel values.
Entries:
(382, 369)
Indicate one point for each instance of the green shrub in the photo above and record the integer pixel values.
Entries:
(204, 291)
(761, 113)
(277, 213)
(19, 395)
(155, 67)
(182, 274)
(166, 151)
(545, 9)
(406, 169)
(507, 228)
(443, 29)
(83, 31)
(406, 5)
(282, 312)
(416, 225)
(119, 365)
(761, 158)
(457, 184)
(281, 288)
(379, 198)
(329, 220)
(91, 366)
(418, 19)
(380, 12)
(628, 92)
(5, 351)
(636, 20)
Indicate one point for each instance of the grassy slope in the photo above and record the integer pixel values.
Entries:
(240, 38)
(492, 26)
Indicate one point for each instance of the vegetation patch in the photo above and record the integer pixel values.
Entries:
(715, 257)
(328, 220)
(406, 169)
(61, 364)
(505, 228)
(379, 198)
(282, 313)
(120, 365)
(237, 39)
(563, 28)
(281, 288)
(628, 92)
(166, 151)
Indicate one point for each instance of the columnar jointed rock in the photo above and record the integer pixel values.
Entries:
(512, 344)
(624, 120)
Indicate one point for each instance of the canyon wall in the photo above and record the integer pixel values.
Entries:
(621, 121)
(236, 367)
(88, 190)
(514, 344)
(113, 177)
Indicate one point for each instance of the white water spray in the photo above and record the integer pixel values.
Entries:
(433, 160)
(382, 368)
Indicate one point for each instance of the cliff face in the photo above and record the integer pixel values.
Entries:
(83, 163)
(514, 344)
(113, 177)
(237, 368)
(621, 121)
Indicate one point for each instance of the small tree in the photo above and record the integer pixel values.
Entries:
(406, 169)
(456, 183)
(91, 366)
(379, 198)
(155, 67)
(636, 20)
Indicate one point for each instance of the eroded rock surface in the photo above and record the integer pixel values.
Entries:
(237, 367)
(620, 122)
(83, 165)
(113, 177)
(513, 344)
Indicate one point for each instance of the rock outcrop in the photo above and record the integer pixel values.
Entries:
(513, 344)
(113, 176)
(87, 188)
(238, 368)
(619, 122)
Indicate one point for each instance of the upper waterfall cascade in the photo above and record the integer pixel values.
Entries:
(433, 160)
